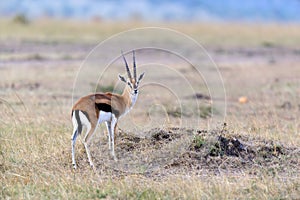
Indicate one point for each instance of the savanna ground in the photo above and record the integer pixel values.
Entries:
(254, 155)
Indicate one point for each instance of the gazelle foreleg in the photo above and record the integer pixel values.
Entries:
(108, 126)
(111, 127)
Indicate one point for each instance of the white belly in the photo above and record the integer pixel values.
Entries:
(104, 116)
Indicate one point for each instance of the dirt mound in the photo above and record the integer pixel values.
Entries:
(221, 152)
(182, 151)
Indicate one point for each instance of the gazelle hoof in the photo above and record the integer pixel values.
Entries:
(92, 165)
(74, 166)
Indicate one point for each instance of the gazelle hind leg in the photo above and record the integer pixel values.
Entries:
(88, 154)
(90, 129)
(89, 133)
(75, 134)
(77, 128)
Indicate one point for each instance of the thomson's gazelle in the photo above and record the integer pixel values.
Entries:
(91, 110)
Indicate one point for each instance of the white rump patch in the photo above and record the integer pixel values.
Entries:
(74, 121)
(84, 120)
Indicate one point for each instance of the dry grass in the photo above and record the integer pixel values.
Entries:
(219, 34)
(35, 128)
(35, 164)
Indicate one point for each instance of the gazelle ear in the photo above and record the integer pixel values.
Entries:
(121, 78)
(141, 76)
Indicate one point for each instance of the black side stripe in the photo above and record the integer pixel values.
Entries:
(107, 108)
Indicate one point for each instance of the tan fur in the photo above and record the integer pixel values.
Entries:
(87, 104)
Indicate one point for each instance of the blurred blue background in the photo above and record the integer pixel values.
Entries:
(155, 10)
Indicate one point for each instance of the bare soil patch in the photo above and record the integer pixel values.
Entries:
(183, 151)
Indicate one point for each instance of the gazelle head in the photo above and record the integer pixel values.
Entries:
(132, 82)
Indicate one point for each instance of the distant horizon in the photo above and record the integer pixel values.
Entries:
(153, 10)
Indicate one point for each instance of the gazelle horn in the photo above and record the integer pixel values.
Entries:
(127, 68)
(134, 65)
